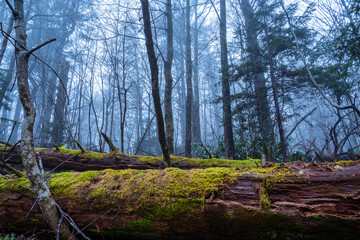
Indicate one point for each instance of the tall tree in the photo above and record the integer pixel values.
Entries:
(38, 185)
(189, 88)
(155, 82)
(259, 77)
(169, 122)
(225, 78)
(196, 128)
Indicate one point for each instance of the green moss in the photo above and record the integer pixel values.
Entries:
(13, 183)
(265, 203)
(68, 183)
(40, 149)
(345, 163)
(64, 150)
(145, 226)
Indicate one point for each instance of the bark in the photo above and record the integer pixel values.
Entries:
(38, 185)
(155, 82)
(196, 128)
(310, 202)
(259, 81)
(189, 88)
(169, 122)
(225, 87)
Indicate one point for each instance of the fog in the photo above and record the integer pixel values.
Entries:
(96, 77)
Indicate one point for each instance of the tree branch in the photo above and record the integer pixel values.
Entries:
(11, 7)
(297, 124)
(40, 46)
(302, 56)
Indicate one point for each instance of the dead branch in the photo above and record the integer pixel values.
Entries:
(109, 142)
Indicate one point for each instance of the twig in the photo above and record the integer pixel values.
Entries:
(40, 46)
(52, 170)
(302, 56)
(297, 124)
(32, 207)
(207, 151)
(52, 69)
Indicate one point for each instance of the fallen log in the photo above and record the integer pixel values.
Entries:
(292, 201)
(64, 159)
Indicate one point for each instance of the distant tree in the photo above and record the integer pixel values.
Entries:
(169, 121)
(189, 88)
(155, 82)
(225, 80)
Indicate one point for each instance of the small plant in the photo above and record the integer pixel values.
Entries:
(8, 237)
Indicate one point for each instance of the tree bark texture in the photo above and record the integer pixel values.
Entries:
(189, 88)
(309, 201)
(225, 87)
(38, 185)
(169, 122)
(155, 82)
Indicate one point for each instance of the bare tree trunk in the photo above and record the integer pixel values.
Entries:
(260, 81)
(39, 187)
(7, 81)
(5, 40)
(225, 78)
(169, 122)
(196, 128)
(14, 136)
(155, 82)
(276, 100)
(189, 88)
(59, 118)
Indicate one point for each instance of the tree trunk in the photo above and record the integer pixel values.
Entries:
(169, 122)
(155, 82)
(60, 104)
(189, 88)
(196, 128)
(5, 40)
(7, 81)
(225, 78)
(38, 185)
(259, 81)
(14, 136)
(276, 100)
(294, 201)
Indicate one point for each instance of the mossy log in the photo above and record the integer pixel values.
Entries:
(65, 159)
(292, 201)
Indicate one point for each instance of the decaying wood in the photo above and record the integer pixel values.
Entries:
(311, 201)
(109, 142)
